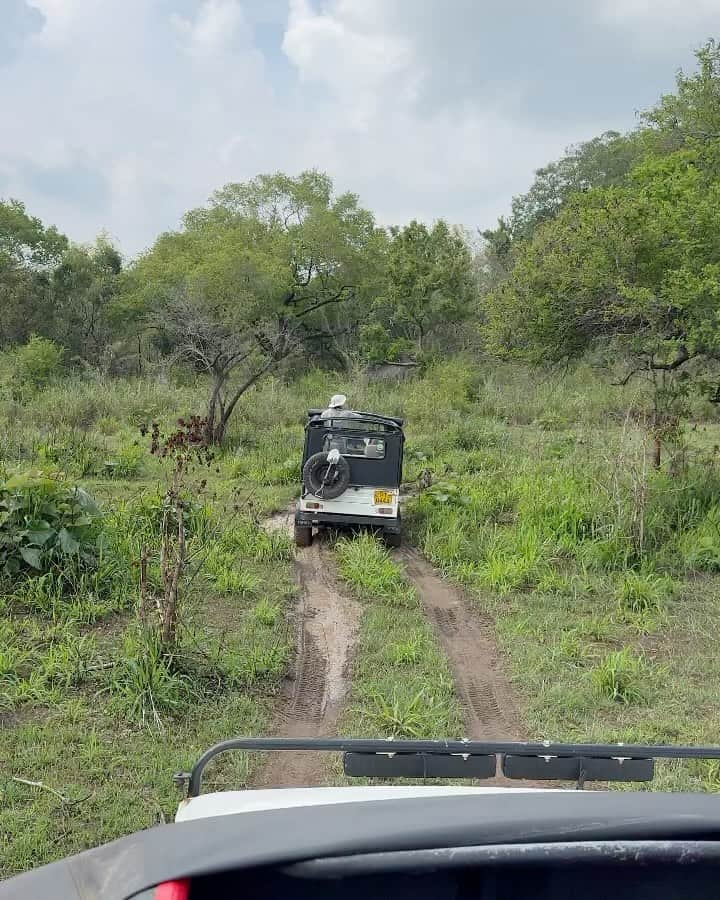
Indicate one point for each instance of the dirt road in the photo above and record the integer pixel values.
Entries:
(326, 626)
(327, 620)
(469, 644)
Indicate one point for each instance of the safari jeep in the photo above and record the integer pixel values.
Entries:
(352, 469)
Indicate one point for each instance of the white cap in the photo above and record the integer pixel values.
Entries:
(337, 400)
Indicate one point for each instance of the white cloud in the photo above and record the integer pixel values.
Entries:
(122, 114)
(214, 29)
(346, 51)
(61, 17)
(658, 12)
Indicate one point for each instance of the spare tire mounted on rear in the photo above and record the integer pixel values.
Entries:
(326, 478)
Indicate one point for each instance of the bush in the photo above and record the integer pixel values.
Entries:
(46, 523)
(128, 463)
(37, 363)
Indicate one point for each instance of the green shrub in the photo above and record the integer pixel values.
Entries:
(37, 363)
(126, 464)
(46, 523)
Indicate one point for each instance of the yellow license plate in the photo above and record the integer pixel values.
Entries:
(382, 497)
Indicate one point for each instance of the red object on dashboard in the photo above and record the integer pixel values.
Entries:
(173, 890)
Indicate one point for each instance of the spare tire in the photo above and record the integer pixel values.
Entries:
(324, 479)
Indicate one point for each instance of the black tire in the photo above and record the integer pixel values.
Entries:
(392, 539)
(336, 476)
(303, 535)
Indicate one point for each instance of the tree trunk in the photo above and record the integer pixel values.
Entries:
(171, 576)
(212, 409)
(218, 431)
(656, 450)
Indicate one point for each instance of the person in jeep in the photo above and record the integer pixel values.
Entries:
(336, 408)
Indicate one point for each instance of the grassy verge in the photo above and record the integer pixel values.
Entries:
(92, 713)
(599, 574)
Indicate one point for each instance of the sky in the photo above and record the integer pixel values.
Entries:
(120, 115)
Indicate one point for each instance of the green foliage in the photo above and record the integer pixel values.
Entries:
(405, 653)
(241, 286)
(46, 524)
(700, 546)
(37, 363)
(621, 677)
(126, 464)
(640, 592)
(600, 162)
(402, 714)
(371, 570)
(601, 263)
(253, 542)
(144, 684)
(692, 113)
(266, 612)
(430, 286)
(257, 663)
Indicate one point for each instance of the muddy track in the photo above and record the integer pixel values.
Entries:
(326, 625)
(468, 641)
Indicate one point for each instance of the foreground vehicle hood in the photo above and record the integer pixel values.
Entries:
(281, 837)
(225, 803)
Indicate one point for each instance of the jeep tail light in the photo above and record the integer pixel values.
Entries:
(310, 505)
(385, 511)
(173, 890)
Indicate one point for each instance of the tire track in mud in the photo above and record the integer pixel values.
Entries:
(326, 623)
(468, 641)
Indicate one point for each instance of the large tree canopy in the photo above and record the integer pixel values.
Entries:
(633, 270)
(430, 287)
(255, 276)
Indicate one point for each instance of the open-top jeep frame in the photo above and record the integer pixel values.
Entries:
(370, 451)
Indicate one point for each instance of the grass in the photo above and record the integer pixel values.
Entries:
(603, 580)
(88, 706)
(401, 684)
(372, 572)
(620, 676)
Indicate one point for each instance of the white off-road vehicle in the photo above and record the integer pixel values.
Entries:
(352, 470)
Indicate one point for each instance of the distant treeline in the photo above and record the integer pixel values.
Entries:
(613, 252)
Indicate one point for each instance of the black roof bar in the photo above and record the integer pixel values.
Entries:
(537, 749)
(313, 416)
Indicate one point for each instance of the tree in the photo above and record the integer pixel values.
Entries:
(691, 115)
(632, 271)
(254, 277)
(28, 253)
(430, 285)
(84, 285)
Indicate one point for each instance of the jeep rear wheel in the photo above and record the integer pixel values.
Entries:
(303, 535)
(392, 539)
